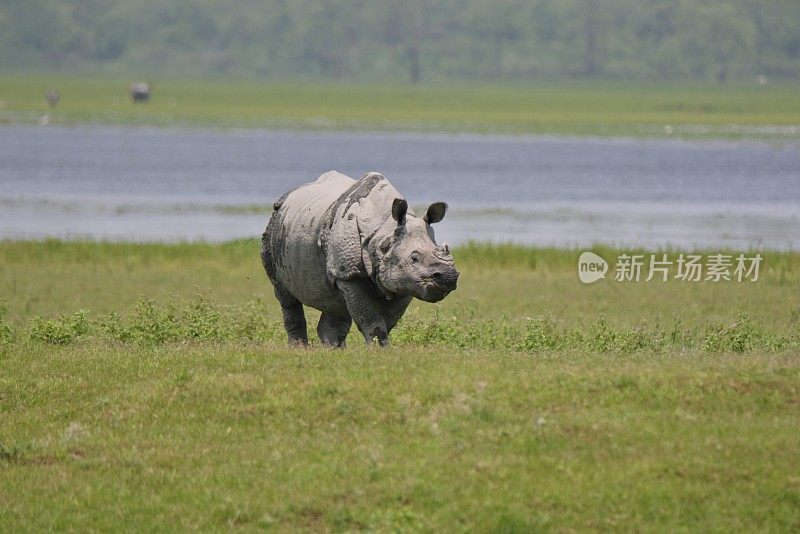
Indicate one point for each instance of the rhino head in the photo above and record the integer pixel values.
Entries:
(410, 262)
(371, 232)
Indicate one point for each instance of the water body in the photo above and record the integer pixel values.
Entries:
(173, 184)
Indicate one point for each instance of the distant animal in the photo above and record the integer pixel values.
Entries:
(52, 97)
(355, 251)
(140, 92)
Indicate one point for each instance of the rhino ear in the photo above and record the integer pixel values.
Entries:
(399, 209)
(435, 212)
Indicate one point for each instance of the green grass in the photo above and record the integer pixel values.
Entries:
(501, 282)
(524, 401)
(577, 108)
(105, 437)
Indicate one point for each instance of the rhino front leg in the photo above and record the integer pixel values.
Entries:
(365, 309)
(332, 330)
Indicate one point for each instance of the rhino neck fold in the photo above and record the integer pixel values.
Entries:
(374, 258)
(385, 292)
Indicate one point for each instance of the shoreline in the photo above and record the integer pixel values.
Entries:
(685, 132)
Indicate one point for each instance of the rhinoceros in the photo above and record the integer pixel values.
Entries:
(353, 250)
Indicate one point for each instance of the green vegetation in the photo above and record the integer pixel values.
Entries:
(200, 319)
(588, 108)
(412, 40)
(506, 283)
(208, 436)
(148, 386)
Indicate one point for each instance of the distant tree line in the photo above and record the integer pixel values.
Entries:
(406, 39)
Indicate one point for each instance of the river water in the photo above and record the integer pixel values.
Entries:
(179, 184)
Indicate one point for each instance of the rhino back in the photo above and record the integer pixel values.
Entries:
(375, 210)
(294, 235)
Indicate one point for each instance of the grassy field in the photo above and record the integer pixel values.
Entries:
(571, 108)
(524, 401)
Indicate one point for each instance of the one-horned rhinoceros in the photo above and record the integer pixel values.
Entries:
(355, 251)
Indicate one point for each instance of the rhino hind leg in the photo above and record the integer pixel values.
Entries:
(332, 330)
(294, 320)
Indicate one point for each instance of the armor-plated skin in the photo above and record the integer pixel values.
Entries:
(353, 250)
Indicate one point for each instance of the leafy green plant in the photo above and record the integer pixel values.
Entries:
(60, 330)
(741, 336)
(252, 323)
(601, 337)
(154, 324)
(540, 334)
(113, 326)
(6, 332)
(203, 321)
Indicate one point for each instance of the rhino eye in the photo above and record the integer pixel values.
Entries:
(415, 256)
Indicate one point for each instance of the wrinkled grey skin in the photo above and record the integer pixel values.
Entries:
(353, 250)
